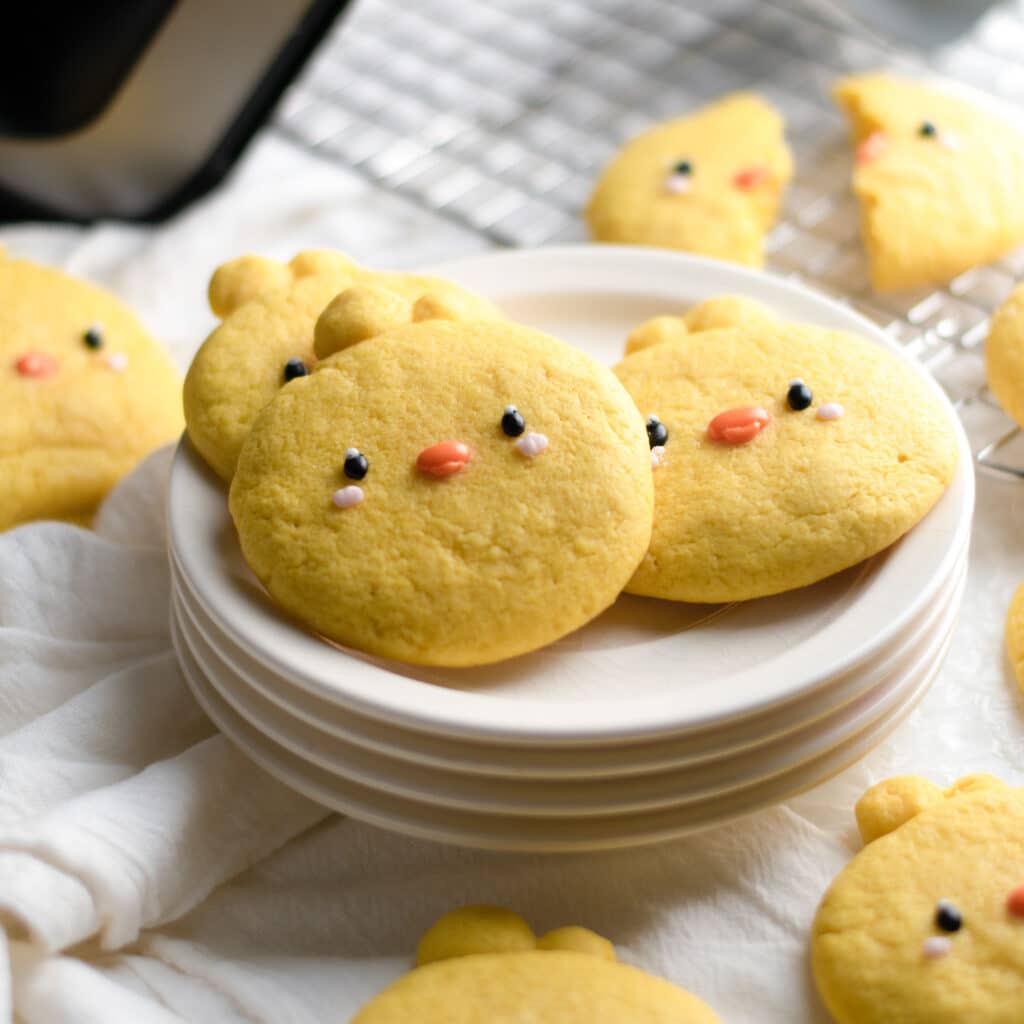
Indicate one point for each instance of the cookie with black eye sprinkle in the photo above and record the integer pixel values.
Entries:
(465, 544)
(926, 924)
(74, 415)
(708, 182)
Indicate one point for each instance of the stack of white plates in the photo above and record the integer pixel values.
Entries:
(654, 720)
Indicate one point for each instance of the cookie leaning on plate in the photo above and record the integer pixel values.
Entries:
(926, 924)
(85, 393)
(785, 453)
(485, 964)
(446, 493)
(708, 183)
(937, 176)
(1004, 355)
(269, 310)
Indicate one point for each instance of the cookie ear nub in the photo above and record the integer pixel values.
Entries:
(655, 331)
(436, 307)
(313, 262)
(973, 784)
(240, 280)
(475, 929)
(578, 940)
(892, 802)
(358, 313)
(728, 311)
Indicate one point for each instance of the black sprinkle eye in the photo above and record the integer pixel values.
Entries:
(657, 432)
(798, 396)
(93, 337)
(356, 464)
(683, 167)
(512, 421)
(948, 917)
(294, 368)
(927, 130)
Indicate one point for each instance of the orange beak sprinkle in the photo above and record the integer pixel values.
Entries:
(1015, 902)
(738, 426)
(36, 364)
(750, 177)
(443, 459)
(872, 147)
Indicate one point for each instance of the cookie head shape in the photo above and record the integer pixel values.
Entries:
(937, 177)
(925, 925)
(708, 183)
(267, 337)
(790, 453)
(85, 393)
(485, 963)
(447, 493)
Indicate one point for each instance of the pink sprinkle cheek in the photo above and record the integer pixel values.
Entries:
(935, 947)
(677, 184)
(117, 361)
(531, 444)
(830, 411)
(657, 456)
(348, 497)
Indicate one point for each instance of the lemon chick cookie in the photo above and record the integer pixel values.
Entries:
(709, 183)
(783, 454)
(926, 924)
(937, 177)
(85, 393)
(269, 312)
(490, 967)
(446, 493)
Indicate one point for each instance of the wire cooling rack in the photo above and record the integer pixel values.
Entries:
(498, 114)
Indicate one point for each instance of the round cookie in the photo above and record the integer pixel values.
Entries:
(1015, 634)
(447, 493)
(755, 495)
(85, 393)
(708, 183)
(503, 975)
(926, 924)
(269, 311)
(1004, 355)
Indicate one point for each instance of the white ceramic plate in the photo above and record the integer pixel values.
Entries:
(451, 788)
(645, 668)
(280, 703)
(525, 834)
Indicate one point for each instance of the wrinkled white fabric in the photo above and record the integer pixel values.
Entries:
(150, 874)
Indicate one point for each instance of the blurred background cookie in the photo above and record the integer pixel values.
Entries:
(85, 393)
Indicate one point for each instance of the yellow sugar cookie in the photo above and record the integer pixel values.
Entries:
(783, 454)
(85, 393)
(709, 182)
(937, 177)
(1004, 355)
(926, 924)
(446, 493)
(269, 312)
(570, 976)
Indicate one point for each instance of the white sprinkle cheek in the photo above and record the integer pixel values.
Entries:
(117, 361)
(657, 455)
(677, 184)
(532, 444)
(346, 497)
(935, 947)
(830, 411)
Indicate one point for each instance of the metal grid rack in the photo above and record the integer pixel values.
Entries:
(498, 114)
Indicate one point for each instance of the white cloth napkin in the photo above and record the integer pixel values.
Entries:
(150, 874)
